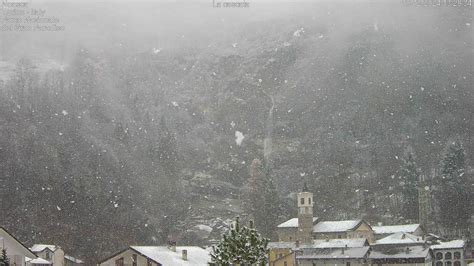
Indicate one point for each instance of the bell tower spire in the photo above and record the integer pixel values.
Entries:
(305, 215)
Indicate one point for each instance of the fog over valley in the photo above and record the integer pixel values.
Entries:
(146, 124)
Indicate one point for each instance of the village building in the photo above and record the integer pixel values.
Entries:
(394, 255)
(386, 230)
(451, 253)
(345, 256)
(285, 253)
(306, 240)
(158, 256)
(54, 255)
(402, 239)
(51, 253)
(306, 227)
(343, 229)
(17, 252)
(287, 231)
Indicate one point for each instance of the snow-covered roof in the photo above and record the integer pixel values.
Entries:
(450, 244)
(391, 229)
(293, 223)
(41, 247)
(165, 256)
(73, 259)
(335, 226)
(321, 244)
(334, 253)
(6, 237)
(400, 238)
(39, 261)
(340, 243)
(396, 252)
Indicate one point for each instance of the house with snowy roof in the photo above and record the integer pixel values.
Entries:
(281, 252)
(307, 231)
(344, 256)
(407, 255)
(51, 253)
(17, 252)
(306, 227)
(450, 253)
(402, 239)
(158, 256)
(382, 231)
(343, 229)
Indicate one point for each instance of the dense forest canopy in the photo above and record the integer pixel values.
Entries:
(147, 123)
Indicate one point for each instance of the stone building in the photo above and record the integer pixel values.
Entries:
(451, 253)
(394, 255)
(306, 227)
(345, 256)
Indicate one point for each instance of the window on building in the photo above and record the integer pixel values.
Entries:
(448, 263)
(439, 256)
(309, 200)
(457, 255)
(47, 256)
(339, 236)
(439, 263)
(348, 264)
(457, 263)
(119, 262)
(448, 256)
(134, 260)
(302, 200)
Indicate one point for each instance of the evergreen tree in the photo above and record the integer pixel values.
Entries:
(241, 245)
(409, 188)
(4, 260)
(261, 199)
(454, 197)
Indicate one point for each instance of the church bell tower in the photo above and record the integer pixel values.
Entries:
(305, 216)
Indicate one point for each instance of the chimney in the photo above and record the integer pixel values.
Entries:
(297, 244)
(172, 245)
(185, 254)
(343, 249)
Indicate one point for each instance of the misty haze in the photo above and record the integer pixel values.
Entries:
(231, 132)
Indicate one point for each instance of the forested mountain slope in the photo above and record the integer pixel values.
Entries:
(139, 147)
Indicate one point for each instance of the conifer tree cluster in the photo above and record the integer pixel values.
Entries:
(241, 245)
(453, 197)
(4, 260)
